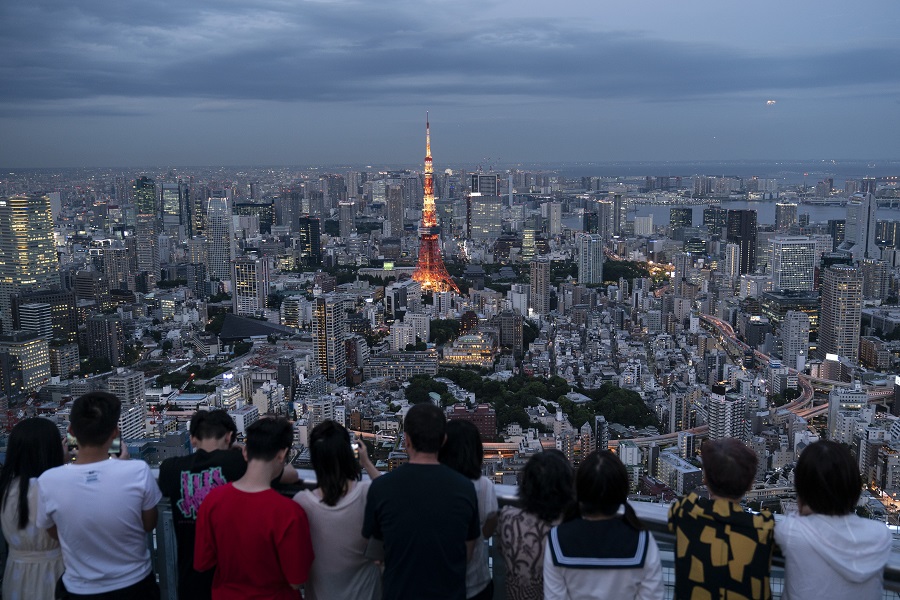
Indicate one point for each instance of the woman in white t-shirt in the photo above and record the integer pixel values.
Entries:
(463, 452)
(335, 509)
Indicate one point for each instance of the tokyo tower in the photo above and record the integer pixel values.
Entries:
(430, 271)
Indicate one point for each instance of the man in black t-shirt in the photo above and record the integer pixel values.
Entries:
(426, 514)
(186, 480)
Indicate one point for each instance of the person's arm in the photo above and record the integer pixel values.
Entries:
(52, 532)
(554, 582)
(152, 497)
(651, 585)
(491, 508)
(204, 543)
(289, 475)
(470, 548)
(365, 462)
(490, 525)
(149, 519)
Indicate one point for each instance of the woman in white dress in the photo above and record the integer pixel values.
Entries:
(35, 561)
(340, 570)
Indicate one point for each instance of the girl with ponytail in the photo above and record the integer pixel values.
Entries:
(602, 553)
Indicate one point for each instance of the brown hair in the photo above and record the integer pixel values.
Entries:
(729, 467)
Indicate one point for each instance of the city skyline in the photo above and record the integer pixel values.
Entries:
(343, 82)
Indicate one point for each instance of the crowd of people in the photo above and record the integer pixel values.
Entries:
(78, 528)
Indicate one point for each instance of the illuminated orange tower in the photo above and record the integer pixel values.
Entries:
(430, 271)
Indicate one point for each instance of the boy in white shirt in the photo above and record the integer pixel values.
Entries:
(101, 510)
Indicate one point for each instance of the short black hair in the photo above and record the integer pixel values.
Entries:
(546, 488)
(827, 478)
(94, 417)
(425, 425)
(268, 436)
(602, 486)
(463, 451)
(212, 424)
(332, 459)
(729, 467)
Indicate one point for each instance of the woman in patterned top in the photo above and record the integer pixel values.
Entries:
(546, 491)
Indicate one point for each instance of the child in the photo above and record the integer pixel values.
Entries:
(720, 549)
(600, 554)
(101, 509)
(830, 552)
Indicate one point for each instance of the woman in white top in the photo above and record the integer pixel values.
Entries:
(335, 509)
(829, 552)
(463, 452)
(35, 560)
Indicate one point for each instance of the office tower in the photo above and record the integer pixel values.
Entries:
(876, 281)
(430, 271)
(485, 223)
(540, 286)
(263, 211)
(839, 324)
(394, 212)
(288, 207)
(859, 233)
(106, 338)
(309, 241)
(555, 218)
(727, 414)
(793, 263)
(601, 433)
(742, 231)
(249, 285)
(619, 214)
(219, 235)
(837, 230)
(29, 355)
(589, 220)
(485, 184)
(682, 262)
(681, 217)
(146, 244)
(511, 332)
(27, 249)
(785, 216)
(328, 337)
(715, 219)
(643, 226)
(590, 258)
(347, 219)
(173, 206)
(37, 318)
(143, 197)
(128, 386)
(64, 319)
(795, 339)
(91, 286)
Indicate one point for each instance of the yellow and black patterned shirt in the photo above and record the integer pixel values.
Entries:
(722, 552)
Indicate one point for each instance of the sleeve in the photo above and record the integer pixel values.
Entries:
(474, 523)
(371, 526)
(44, 515)
(490, 501)
(782, 532)
(204, 542)
(152, 494)
(554, 582)
(295, 551)
(651, 585)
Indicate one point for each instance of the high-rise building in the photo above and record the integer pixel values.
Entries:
(143, 196)
(511, 333)
(219, 235)
(328, 337)
(127, 385)
(249, 285)
(682, 262)
(347, 219)
(715, 219)
(859, 233)
(486, 184)
(876, 281)
(173, 206)
(681, 217)
(27, 250)
(309, 241)
(37, 318)
(64, 319)
(540, 286)
(727, 414)
(30, 354)
(106, 338)
(394, 211)
(785, 216)
(120, 265)
(732, 266)
(605, 219)
(793, 263)
(485, 223)
(840, 319)
(590, 258)
(742, 231)
(795, 339)
(554, 216)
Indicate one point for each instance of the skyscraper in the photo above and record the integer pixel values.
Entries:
(394, 211)
(27, 249)
(840, 311)
(590, 258)
(347, 218)
(785, 216)
(727, 414)
(540, 286)
(715, 218)
(793, 263)
(219, 235)
(486, 184)
(328, 337)
(795, 339)
(143, 195)
(681, 217)
(859, 233)
(249, 285)
(31, 355)
(742, 231)
(485, 223)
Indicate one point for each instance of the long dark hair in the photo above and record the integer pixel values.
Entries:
(35, 445)
(333, 460)
(546, 488)
(601, 486)
(463, 451)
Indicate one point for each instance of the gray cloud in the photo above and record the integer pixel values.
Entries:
(376, 53)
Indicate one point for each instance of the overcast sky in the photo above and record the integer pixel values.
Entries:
(298, 82)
